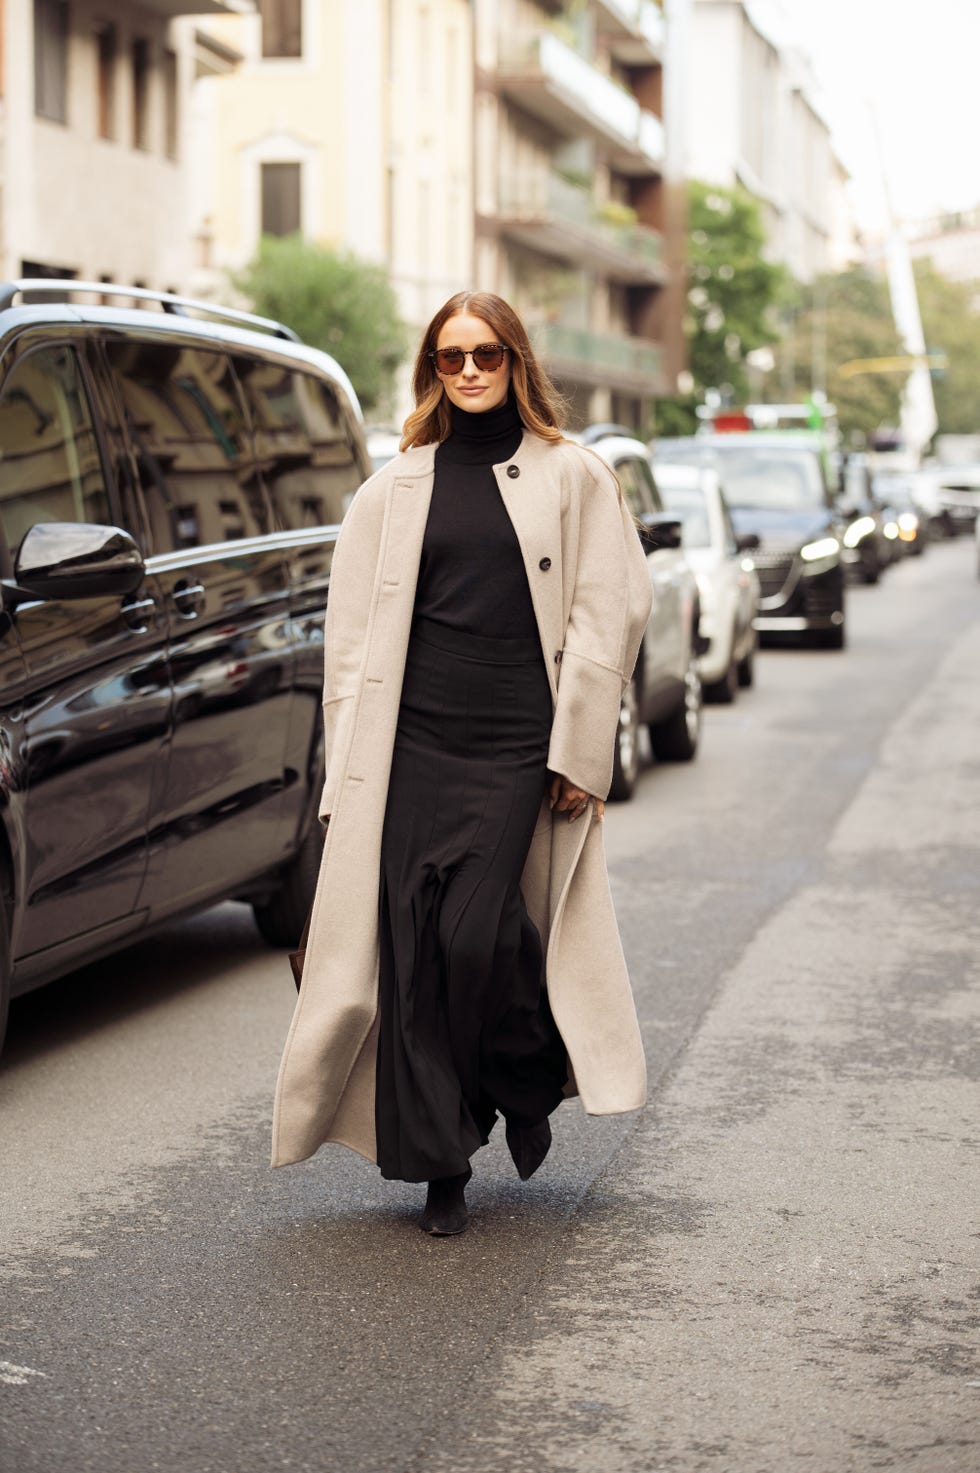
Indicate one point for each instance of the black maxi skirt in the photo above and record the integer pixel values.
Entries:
(465, 1028)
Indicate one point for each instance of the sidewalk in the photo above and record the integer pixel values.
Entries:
(781, 1269)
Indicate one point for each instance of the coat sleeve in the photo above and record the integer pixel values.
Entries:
(350, 599)
(609, 610)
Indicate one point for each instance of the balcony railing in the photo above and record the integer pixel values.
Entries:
(634, 28)
(601, 357)
(547, 197)
(555, 83)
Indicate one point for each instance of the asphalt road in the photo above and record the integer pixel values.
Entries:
(774, 1266)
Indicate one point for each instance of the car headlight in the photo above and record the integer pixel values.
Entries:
(821, 550)
(861, 528)
(908, 522)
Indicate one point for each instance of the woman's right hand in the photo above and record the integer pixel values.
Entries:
(567, 798)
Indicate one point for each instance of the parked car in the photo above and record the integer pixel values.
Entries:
(170, 487)
(776, 487)
(665, 692)
(867, 545)
(728, 584)
(906, 526)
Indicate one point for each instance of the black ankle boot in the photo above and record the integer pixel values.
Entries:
(445, 1211)
(528, 1145)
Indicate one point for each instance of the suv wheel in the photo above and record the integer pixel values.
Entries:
(676, 739)
(282, 917)
(626, 758)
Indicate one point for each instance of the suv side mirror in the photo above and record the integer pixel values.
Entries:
(74, 560)
(660, 529)
(747, 541)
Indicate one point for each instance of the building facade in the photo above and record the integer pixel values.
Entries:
(752, 118)
(93, 140)
(348, 121)
(578, 222)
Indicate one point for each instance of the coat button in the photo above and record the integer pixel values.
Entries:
(557, 657)
(513, 471)
(545, 564)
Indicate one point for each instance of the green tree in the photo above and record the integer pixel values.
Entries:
(733, 296)
(951, 325)
(336, 302)
(845, 318)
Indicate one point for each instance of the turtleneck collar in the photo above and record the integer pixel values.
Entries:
(484, 438)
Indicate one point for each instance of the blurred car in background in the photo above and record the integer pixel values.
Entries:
(665, 692)
(777, 487)
(866, 544)
(909, 523)
(382, 444)
(728, 584)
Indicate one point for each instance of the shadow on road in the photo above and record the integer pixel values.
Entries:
(182, 956)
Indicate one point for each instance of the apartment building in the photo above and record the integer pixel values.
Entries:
(92, 139)
(752, 117)
(350, 122)
(578, 221)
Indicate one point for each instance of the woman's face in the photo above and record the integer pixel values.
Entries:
(472, 388)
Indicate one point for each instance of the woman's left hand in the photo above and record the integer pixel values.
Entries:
(567, 798)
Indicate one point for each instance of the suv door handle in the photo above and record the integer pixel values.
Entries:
(137, 613)
(189, 599)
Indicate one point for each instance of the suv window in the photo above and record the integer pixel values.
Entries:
(302, 442)
(636, 488)
(50, 470)
(186, 420)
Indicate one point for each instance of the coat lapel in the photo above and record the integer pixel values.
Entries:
(533, 502)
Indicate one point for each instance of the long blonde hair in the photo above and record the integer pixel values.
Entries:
(541, 407)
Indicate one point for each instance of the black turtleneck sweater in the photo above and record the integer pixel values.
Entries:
(472, 575)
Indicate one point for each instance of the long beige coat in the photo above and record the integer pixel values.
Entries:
(591, 597)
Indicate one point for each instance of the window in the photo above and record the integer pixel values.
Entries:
(303, 444)
(51, 59)
(637, 485)
(50, 470)
(106, 99)
(282, 28)
(185, 418)
(280, 199)
(170, 113)
(141, 84)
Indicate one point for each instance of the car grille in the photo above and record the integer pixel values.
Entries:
(773, 569)
(822, 601)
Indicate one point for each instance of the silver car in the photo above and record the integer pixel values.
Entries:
(665, 692)
(728, 583)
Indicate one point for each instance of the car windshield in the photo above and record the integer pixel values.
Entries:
(689, 504)
(771, 478)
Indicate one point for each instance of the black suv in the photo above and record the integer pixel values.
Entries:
(171, 480)
(778, 487)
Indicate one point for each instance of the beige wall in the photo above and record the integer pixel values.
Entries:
(378, 112)
(72, 199)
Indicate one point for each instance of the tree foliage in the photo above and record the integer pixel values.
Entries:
(845, 317)
(951, 325)
(336, 302)
(733, 296)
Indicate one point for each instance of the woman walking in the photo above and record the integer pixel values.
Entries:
(487, 598)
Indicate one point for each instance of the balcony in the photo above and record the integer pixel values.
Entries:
(171, 8)
(543, 212)
(629, 365)
(552, 82)
(633, 30)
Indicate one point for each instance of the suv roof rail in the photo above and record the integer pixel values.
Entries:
(177, 306)
(593, 433)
